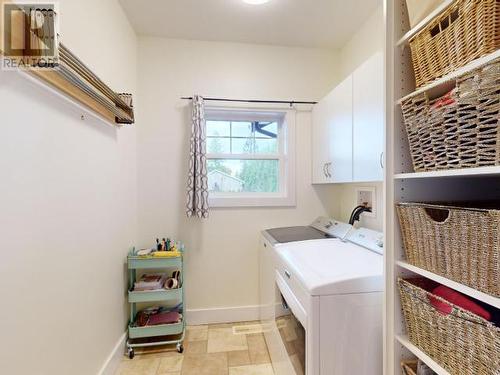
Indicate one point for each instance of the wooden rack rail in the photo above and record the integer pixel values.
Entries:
(65, 72)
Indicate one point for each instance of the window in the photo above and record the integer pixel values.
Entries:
(250, 157)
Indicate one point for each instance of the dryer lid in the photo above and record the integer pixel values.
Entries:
(291, 234)
(326, 267)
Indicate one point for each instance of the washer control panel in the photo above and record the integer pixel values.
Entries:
(367, 238)
(332, 227)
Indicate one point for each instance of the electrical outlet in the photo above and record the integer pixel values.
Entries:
(366, 196)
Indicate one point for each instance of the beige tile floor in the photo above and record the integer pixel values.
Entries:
(217, 349)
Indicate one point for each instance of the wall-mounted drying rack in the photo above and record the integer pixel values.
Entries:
(75, 79)
(66, 73)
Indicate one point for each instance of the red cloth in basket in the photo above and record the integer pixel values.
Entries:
(457, 299)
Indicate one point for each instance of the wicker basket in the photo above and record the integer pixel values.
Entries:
(460, 130)
(461, 244)
(461, 342)
(466, 30)
(409, 367)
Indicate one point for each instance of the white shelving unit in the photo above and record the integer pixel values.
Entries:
(402, 184)
(403, 340)
(478, 172)
(493, 301)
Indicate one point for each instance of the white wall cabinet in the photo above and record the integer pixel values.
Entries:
(348, 128)
(332, 136)
(340, 132)
(322, 114)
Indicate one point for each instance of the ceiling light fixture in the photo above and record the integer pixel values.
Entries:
(256, 2)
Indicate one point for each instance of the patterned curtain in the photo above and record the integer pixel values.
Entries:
(197, 197)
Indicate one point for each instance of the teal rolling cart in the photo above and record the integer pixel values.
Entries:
(135, 333)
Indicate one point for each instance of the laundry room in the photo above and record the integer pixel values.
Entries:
(249, 187)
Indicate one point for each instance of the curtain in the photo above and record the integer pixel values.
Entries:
(197, 185)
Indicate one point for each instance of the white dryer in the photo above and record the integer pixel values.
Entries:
(329, 321)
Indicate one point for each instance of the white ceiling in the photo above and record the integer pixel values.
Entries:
(306, 23)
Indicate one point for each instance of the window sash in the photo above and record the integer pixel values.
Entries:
(279, 156)
(275, 155)
(231, 117)
(285, 196)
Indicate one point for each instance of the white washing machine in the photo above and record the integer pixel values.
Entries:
(321, 299)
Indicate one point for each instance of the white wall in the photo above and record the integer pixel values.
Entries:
(222, 259)
(68, 208)
(366, 42)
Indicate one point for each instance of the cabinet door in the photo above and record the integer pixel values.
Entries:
(368, 120)
(321, 118)
(340, 132)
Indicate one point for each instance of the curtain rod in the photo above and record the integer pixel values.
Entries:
(291, 102)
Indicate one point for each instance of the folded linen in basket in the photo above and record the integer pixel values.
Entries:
(167, 317)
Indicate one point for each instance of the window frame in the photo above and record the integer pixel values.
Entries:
(285, 196)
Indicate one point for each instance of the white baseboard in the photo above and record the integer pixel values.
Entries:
(115, 357)
(222, 315)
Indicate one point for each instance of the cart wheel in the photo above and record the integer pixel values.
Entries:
(180, 348)
(131, 353)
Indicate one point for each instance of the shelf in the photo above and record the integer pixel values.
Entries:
(471, 292)
(481, 171)
(421, 355)
(138, 262)
(453, 75)
(160, 295)
(410, 34)
(155, 331)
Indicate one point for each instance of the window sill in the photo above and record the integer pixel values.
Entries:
(249, 201)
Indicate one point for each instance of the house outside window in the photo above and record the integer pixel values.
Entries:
(250, 157)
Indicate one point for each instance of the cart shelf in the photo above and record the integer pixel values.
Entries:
(141, 262)
(161, 295)
(155, 331)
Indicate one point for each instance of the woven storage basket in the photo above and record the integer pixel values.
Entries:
(466, 30)
(409, 367)
(461, 244)
(461, 342)
(460, 131)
